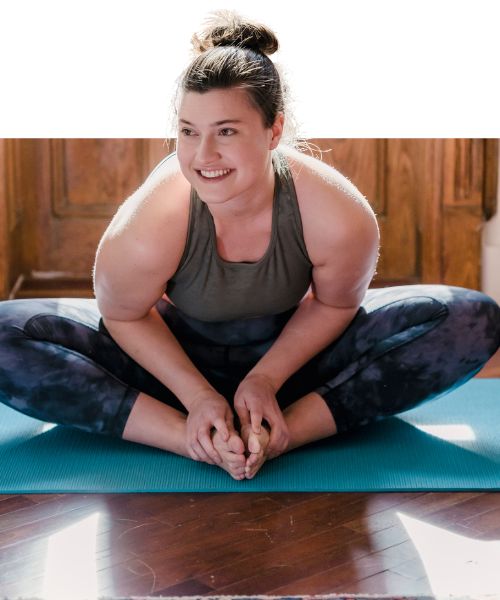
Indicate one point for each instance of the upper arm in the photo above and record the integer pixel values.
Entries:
(347, 248)
(139, 252)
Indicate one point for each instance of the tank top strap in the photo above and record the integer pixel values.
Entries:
(289, 206)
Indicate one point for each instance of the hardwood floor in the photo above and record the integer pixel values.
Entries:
(279, 543)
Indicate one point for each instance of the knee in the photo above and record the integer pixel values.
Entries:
(12, 319)
(474, 316)
(15, 313)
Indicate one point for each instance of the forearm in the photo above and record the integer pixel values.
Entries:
(150, 343)
(312, 327)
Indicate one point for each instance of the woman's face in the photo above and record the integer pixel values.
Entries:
(220, 131)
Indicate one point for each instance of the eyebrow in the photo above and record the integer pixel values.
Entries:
(216, 122)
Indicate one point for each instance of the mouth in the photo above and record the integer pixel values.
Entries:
(215, 179)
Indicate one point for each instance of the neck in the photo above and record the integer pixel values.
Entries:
(248, 206)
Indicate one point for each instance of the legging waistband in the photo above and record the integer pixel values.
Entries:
(237, 332)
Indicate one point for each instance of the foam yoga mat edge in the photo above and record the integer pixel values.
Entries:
(447, 444)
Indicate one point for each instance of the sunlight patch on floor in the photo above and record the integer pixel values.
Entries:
(455, 564)
(70, 568)
(452, 433)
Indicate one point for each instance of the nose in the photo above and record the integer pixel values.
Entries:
(207, 151)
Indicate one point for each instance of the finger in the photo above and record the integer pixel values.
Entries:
(256, 421)
(222, 428)
(199, 451)
(209, 449)
(243, 416)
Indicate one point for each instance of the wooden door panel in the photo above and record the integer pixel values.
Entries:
(431, 197)
(81, 183)
(11, 214)
(387, 173)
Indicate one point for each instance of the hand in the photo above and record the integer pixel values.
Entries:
(208, 410)
(254, 400)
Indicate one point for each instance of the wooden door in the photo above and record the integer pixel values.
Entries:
(61, 196)
(11, 217)
(431, 197)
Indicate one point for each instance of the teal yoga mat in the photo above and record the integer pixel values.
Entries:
(450, 443)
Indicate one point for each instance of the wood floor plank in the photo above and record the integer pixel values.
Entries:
(386, 582)
(412, 568)
(419, 506)
(326, 578)
(191, 587)
(39, 512)
(218, 534)
(485, 522)
(156, 503)
(298, 556)
(24, 588)
(236, 541)
(23, 569)
(405, 550)
(237, 506)
(34, 498)
(250, 543)
(245, 558)
(462, 512)
(31, 562)
(291, 499)
(42, 498)
(138, 576)
(47, 526)
(13, 503)
(292, 557)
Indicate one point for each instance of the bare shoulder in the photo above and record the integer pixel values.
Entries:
(143, 244)
(155, 217)
(332, 209)
(340, 231)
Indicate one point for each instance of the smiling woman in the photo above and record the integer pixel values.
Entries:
(233, 320)
(238, 158)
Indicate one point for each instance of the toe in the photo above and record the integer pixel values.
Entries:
(235, 444)
(252, 460)
(237, 472)
(253, 443)
(237, 461)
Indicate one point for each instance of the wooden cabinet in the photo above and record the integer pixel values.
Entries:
(431, 196)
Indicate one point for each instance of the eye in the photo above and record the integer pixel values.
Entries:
(229, 129)
(184, 130)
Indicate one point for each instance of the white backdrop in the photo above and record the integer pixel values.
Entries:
(357, 68)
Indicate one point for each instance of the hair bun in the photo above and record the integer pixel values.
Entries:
(228, 28)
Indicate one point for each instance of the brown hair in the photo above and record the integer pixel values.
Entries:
(232, 51)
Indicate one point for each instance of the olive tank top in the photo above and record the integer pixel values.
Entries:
(209, 288)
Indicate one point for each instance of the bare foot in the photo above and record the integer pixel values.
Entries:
(256, 445)
(232, 453)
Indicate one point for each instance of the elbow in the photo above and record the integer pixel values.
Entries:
(106, 303)
(100, 291)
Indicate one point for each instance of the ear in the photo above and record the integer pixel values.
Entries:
(277, 130)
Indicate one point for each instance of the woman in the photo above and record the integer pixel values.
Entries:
(237, 275)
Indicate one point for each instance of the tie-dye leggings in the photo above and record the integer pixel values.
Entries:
(406, 345)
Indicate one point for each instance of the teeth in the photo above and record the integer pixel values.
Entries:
(214, 173)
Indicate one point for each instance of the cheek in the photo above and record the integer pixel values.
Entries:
(181, 151)
(184, 158)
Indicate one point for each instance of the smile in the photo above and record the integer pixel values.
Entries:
(214, 175)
